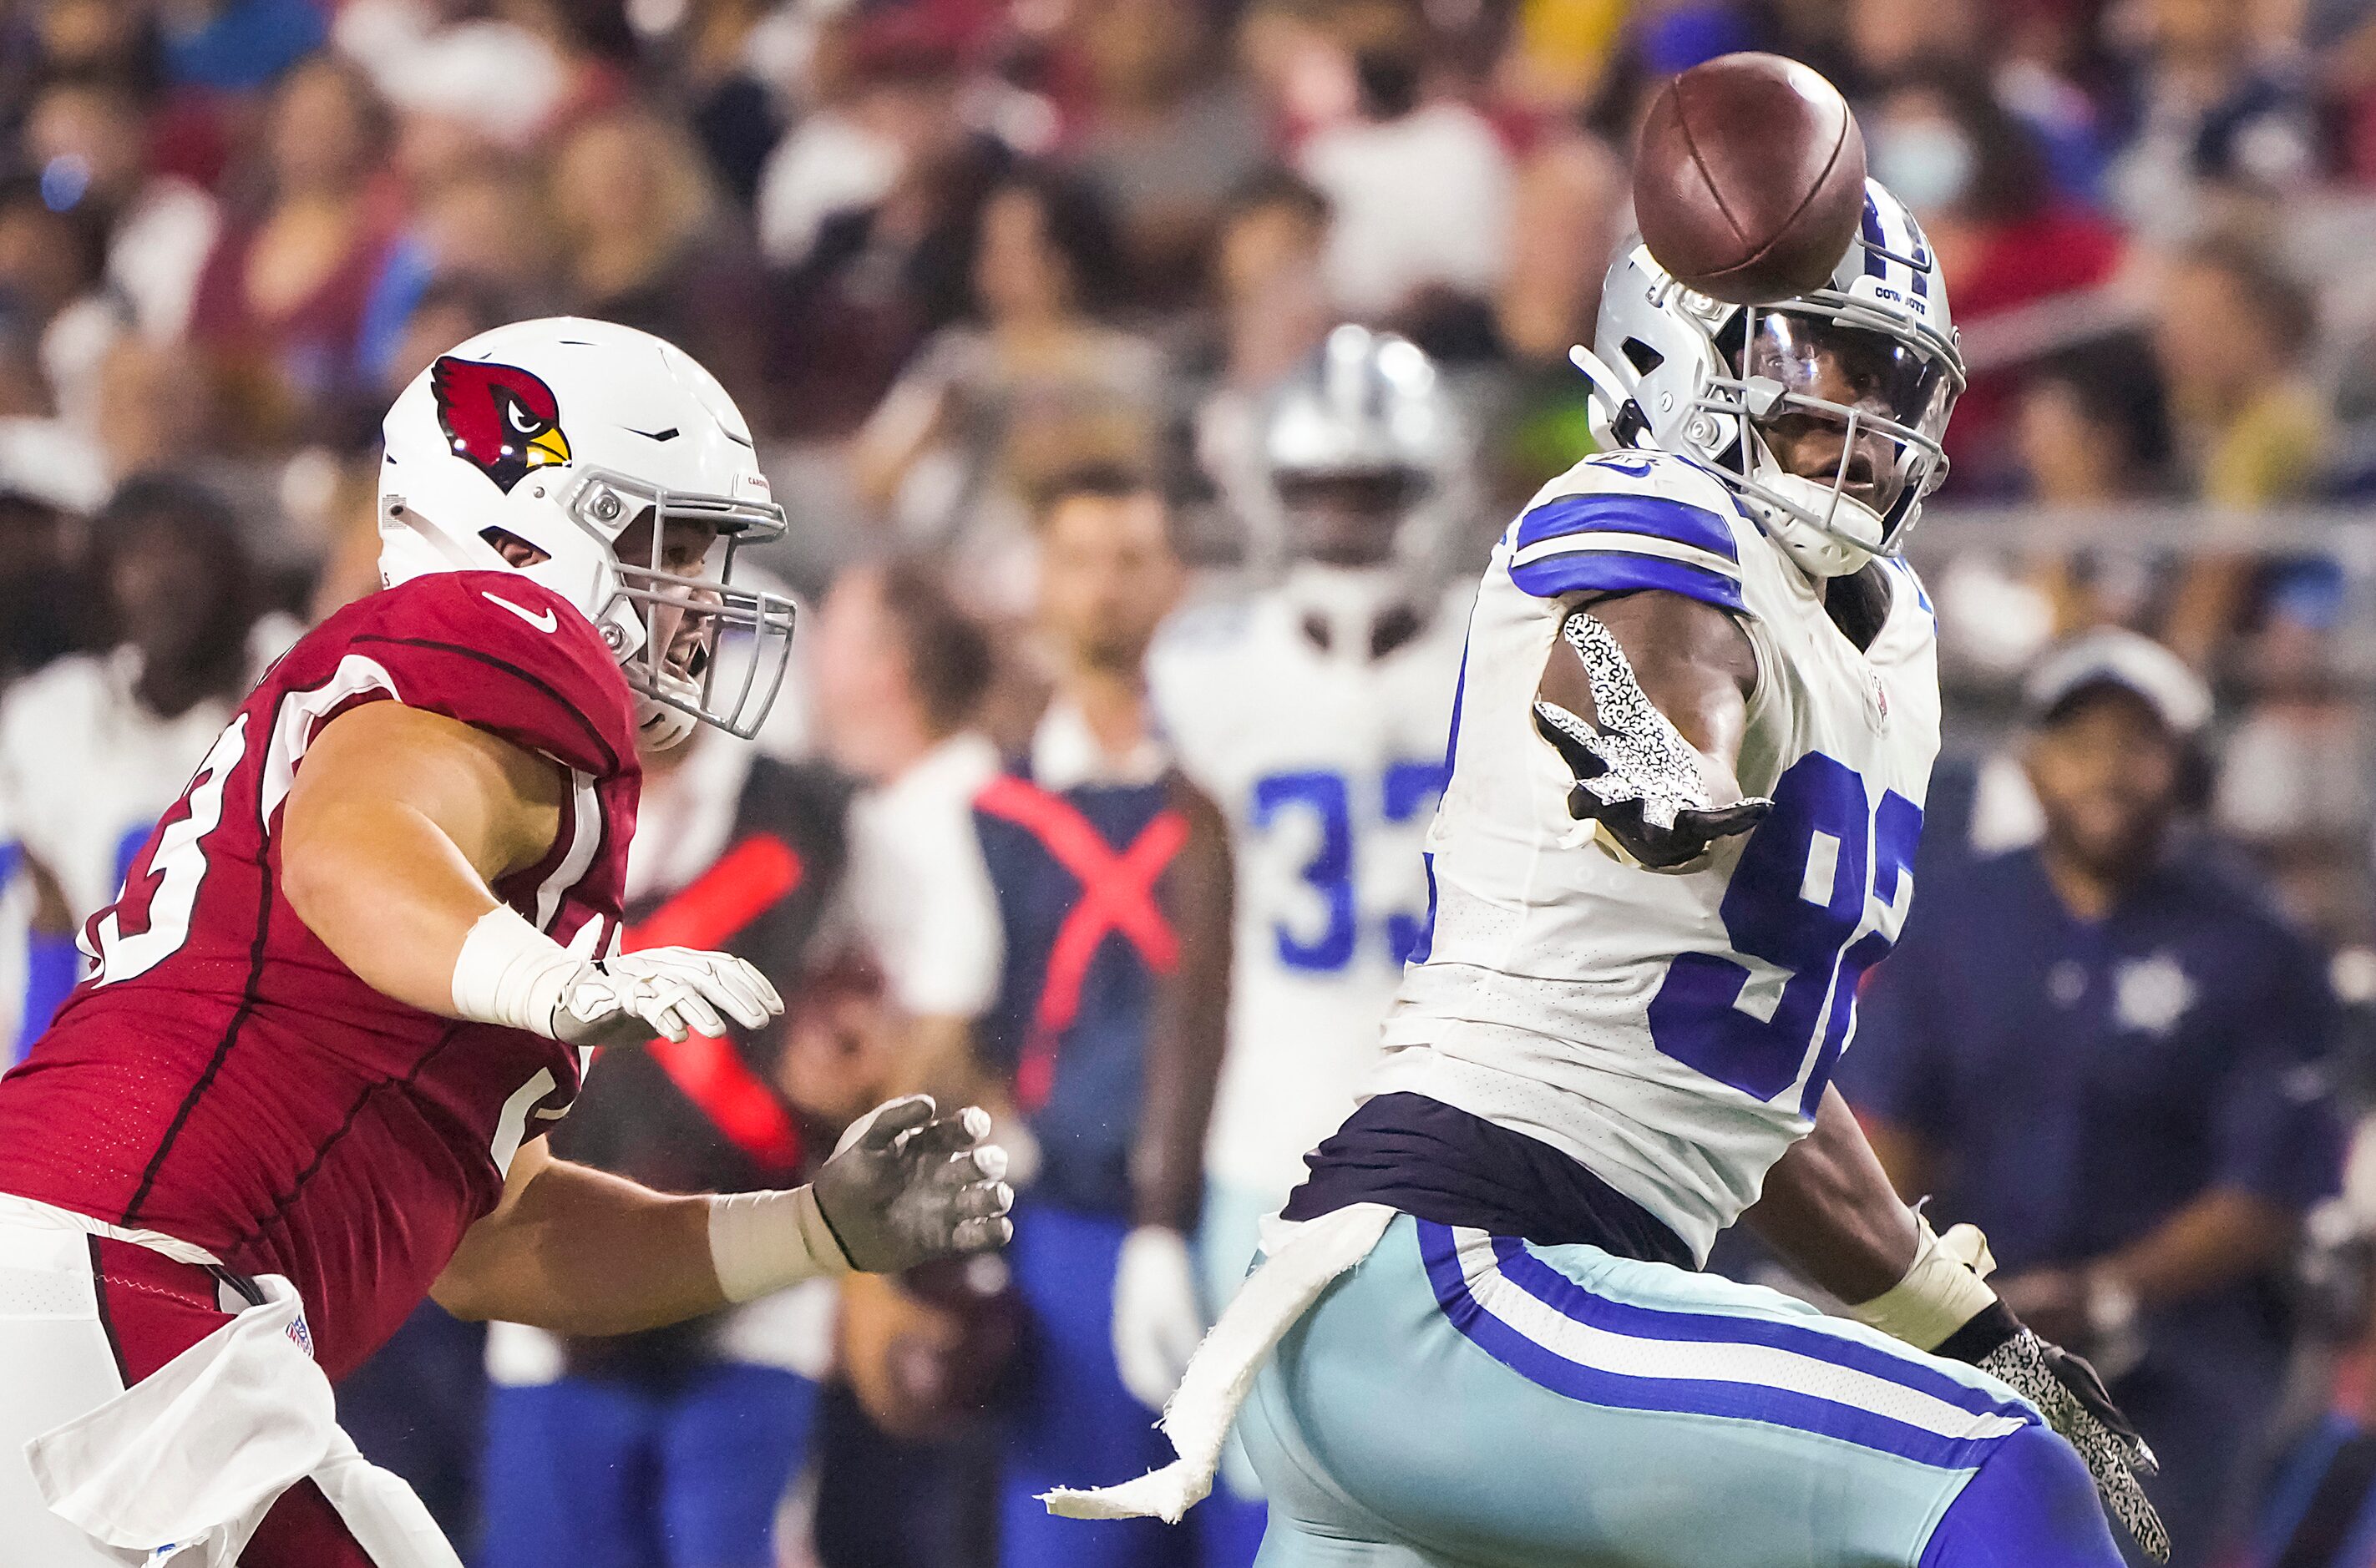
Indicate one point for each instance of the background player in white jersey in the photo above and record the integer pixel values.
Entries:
(1314, 711)
(94, 746)
(1618, 1037)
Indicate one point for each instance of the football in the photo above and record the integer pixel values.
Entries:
(1749, 180)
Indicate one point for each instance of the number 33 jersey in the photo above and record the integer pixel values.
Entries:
(1672, 1031)
(222, 1077)
(1327, 757)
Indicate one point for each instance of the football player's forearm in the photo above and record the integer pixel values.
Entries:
(581, 1252)
(1691, 661)
(1188, 1032)
(1828, 1210)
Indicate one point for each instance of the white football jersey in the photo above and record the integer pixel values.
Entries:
(1672, 1031)
(1329, 764)
(85, 770)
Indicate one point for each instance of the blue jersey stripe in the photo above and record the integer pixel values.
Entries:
(1657, 516)
(1737, 1401)
(1607, 570)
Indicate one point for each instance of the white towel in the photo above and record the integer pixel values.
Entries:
(181, 1468)
(1304, 1261)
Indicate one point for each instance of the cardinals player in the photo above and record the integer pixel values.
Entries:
(360, 968)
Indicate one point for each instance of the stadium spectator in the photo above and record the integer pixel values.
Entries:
(677, 1446)
(1167, 138)
(2019, 259)
(2106, 1051)
(1114, 909)
(1420, 187)
(645, 242)
(900, 670)
(1270, 311)
(2231, 330)
(279, 305)
(53, 271)
(86, 136)
(869, 209)
(1033, 383)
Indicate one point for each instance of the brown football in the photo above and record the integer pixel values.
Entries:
(1748, 178)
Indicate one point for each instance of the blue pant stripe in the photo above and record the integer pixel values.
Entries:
(1738, 1401)
(1556, 1290)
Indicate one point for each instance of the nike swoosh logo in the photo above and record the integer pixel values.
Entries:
(670, 433)
(547, 622)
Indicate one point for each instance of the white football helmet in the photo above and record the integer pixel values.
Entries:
(562, 434)
(1366, 406)
(1689, 375)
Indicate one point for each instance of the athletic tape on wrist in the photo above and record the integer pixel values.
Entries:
(510, 973)
(1943, 1288)
(762, 1242)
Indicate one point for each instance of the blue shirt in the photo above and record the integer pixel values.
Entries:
(1079, 1090)
(2081, 1081)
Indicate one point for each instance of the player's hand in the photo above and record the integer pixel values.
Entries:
(904, 1187)
(671, 991)
(1643, 801)
(1156, 1323)
(2074, 1402)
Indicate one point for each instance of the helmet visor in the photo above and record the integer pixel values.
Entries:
(1847, 405)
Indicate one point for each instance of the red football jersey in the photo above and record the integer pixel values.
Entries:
(222, 1077)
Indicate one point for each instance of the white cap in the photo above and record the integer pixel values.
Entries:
(2110, 655)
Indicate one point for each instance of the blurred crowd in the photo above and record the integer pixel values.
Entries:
(950, 256)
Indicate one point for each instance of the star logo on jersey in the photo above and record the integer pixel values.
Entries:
(498, 417)
(2150, 995)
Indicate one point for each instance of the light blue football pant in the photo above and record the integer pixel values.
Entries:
(1463, 1399)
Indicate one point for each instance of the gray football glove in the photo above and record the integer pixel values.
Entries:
(904, 1187)
(2074, 1402)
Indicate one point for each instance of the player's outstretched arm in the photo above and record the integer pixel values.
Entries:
(1645, 696)
(578, 1251)
(397, 825)
(1829, 1211)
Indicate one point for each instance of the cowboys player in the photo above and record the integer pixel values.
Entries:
(1698, 716)
(1313, 712)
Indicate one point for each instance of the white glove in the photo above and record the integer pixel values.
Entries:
(904, 1187)
(1157, 1323)
(510, 973)
(673, 992)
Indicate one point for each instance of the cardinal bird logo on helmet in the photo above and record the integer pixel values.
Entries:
(499, 417)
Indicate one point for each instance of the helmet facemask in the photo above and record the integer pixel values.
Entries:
(693, 647)
(1840, 416)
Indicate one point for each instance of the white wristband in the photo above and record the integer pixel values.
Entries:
(761, 1243)
(1941, 1291)
(510, 973)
